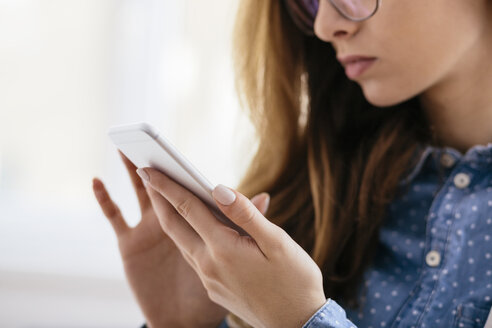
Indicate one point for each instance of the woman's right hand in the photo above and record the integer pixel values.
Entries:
(166, 287)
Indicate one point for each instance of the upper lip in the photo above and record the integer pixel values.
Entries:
(344, 60)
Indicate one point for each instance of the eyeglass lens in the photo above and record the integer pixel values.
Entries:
(356, 9)
(306, 10)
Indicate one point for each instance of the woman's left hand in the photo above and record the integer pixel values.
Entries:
(265, 278)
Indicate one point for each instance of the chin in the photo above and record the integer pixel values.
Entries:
(380, 96)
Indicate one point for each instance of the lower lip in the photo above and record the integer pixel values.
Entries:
(355, 69)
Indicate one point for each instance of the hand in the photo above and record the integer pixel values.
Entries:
(265, 278)
(167, 289)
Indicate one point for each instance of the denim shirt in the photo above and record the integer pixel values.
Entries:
(433, 266)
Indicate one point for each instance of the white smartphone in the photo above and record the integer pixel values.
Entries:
(146, 147)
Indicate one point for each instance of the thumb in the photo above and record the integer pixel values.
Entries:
(240, 210)
(261, 201)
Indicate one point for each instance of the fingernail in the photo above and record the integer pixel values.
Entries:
(255, 198)
(267, 201)
(141, 172)
(224, 195)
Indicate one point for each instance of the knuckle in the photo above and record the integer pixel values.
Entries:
(278, 246)
(246, 215)
(207, 283)
(196, 254)
(207, 267)
(184, 207)
(213, 296)
(210, 286)
(220, 254)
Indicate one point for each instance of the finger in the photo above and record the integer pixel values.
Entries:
(261, 202)
(143, 198)
(178, 229)
(240, 210)
(186, 204)
(110, 209)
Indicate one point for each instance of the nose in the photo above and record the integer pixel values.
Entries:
(331, 26)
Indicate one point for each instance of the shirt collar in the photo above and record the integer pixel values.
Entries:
(479, 155)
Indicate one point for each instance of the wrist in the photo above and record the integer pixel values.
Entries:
(299, 318)
(168, 324)
(315, 307)
(314, 310)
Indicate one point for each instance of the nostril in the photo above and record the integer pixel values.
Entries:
(340, 33)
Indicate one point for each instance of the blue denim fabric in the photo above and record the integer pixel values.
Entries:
(433, 267)
(223, 324)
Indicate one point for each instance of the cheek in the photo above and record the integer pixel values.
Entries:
(395, 81)
(418, 46)
(406, 68)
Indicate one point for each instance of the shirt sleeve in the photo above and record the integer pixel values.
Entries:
(223, 324)
(330, 315)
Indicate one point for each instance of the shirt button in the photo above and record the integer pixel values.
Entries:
(433, 258)
(447, 160)
(461, 180)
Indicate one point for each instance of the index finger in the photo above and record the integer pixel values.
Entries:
(189, 206)
(110, 209)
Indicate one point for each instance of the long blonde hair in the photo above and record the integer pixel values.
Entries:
(329, 159)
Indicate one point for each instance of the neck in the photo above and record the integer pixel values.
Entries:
(459, 107)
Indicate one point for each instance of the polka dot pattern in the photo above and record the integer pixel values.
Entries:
(433, 266)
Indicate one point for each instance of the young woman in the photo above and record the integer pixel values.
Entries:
(375, 128)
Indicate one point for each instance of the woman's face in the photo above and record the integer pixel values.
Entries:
(419, 44)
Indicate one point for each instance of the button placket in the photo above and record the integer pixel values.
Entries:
(461, 180)
(433, 258)
(447, 160)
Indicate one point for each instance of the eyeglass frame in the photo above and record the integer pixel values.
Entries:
(332, 2)
(378, 4)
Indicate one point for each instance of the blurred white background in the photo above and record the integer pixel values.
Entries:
(69, 69)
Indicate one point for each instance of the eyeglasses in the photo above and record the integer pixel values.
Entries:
(303, 12)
